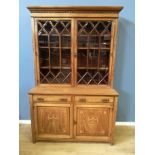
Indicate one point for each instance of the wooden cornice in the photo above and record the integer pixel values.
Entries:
(75, 9)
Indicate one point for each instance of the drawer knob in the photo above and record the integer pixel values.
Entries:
(105, 100)
(40, 99)
(63, 100)
(82, 100)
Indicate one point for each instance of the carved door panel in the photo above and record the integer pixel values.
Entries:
(92, 121)
(53, 120)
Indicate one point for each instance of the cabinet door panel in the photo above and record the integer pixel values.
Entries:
(53, 121)
(54, 50)
(93, 52)
(92, 121)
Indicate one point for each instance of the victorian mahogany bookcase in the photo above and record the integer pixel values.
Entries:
(74, 56)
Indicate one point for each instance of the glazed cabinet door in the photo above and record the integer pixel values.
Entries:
(92, 122)
(94, 46)
(54, 50)
(53, 120)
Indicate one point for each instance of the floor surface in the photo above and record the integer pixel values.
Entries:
(124, 144)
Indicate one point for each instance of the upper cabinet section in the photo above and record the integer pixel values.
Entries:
(74, 46)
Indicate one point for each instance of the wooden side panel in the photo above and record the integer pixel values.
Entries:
(113, 51)
(114, 120)
(53, 121)
(32, 119)
(35, 49)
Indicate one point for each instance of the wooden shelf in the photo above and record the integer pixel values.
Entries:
(61, 47)
(105, 48)
(67, 47)
(43, 47)
(101, 68)
(54, 67)
(91, 35)
(68, 35)
(55, 47)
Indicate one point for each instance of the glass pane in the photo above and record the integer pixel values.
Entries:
(43, 40)
(93, 41)
(66, 41)
(66, 58)
(54, 39)
(92, 77)
(82, 58)
(82, 41)
(92, 58)
(43, 57)
(54, 58)
(104, 59)
(93, 52)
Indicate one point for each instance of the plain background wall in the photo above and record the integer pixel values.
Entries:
(124, 81)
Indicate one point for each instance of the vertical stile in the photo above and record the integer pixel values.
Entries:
(72, 52)
(88, 61)
(60, 57)
(87, 48)
(112, 51)
(99, 55)
(33, 129)
(49, 59)
(36, 50)
(75, 42)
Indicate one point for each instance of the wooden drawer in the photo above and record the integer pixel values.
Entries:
(94, 99)
(47, 98)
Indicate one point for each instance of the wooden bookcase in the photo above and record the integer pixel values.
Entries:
(74, 56)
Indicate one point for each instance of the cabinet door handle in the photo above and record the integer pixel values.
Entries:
(82, 100)
(105, 100)
(40, 99)
(63, 100)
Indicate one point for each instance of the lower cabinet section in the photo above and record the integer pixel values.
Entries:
(73, 120)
